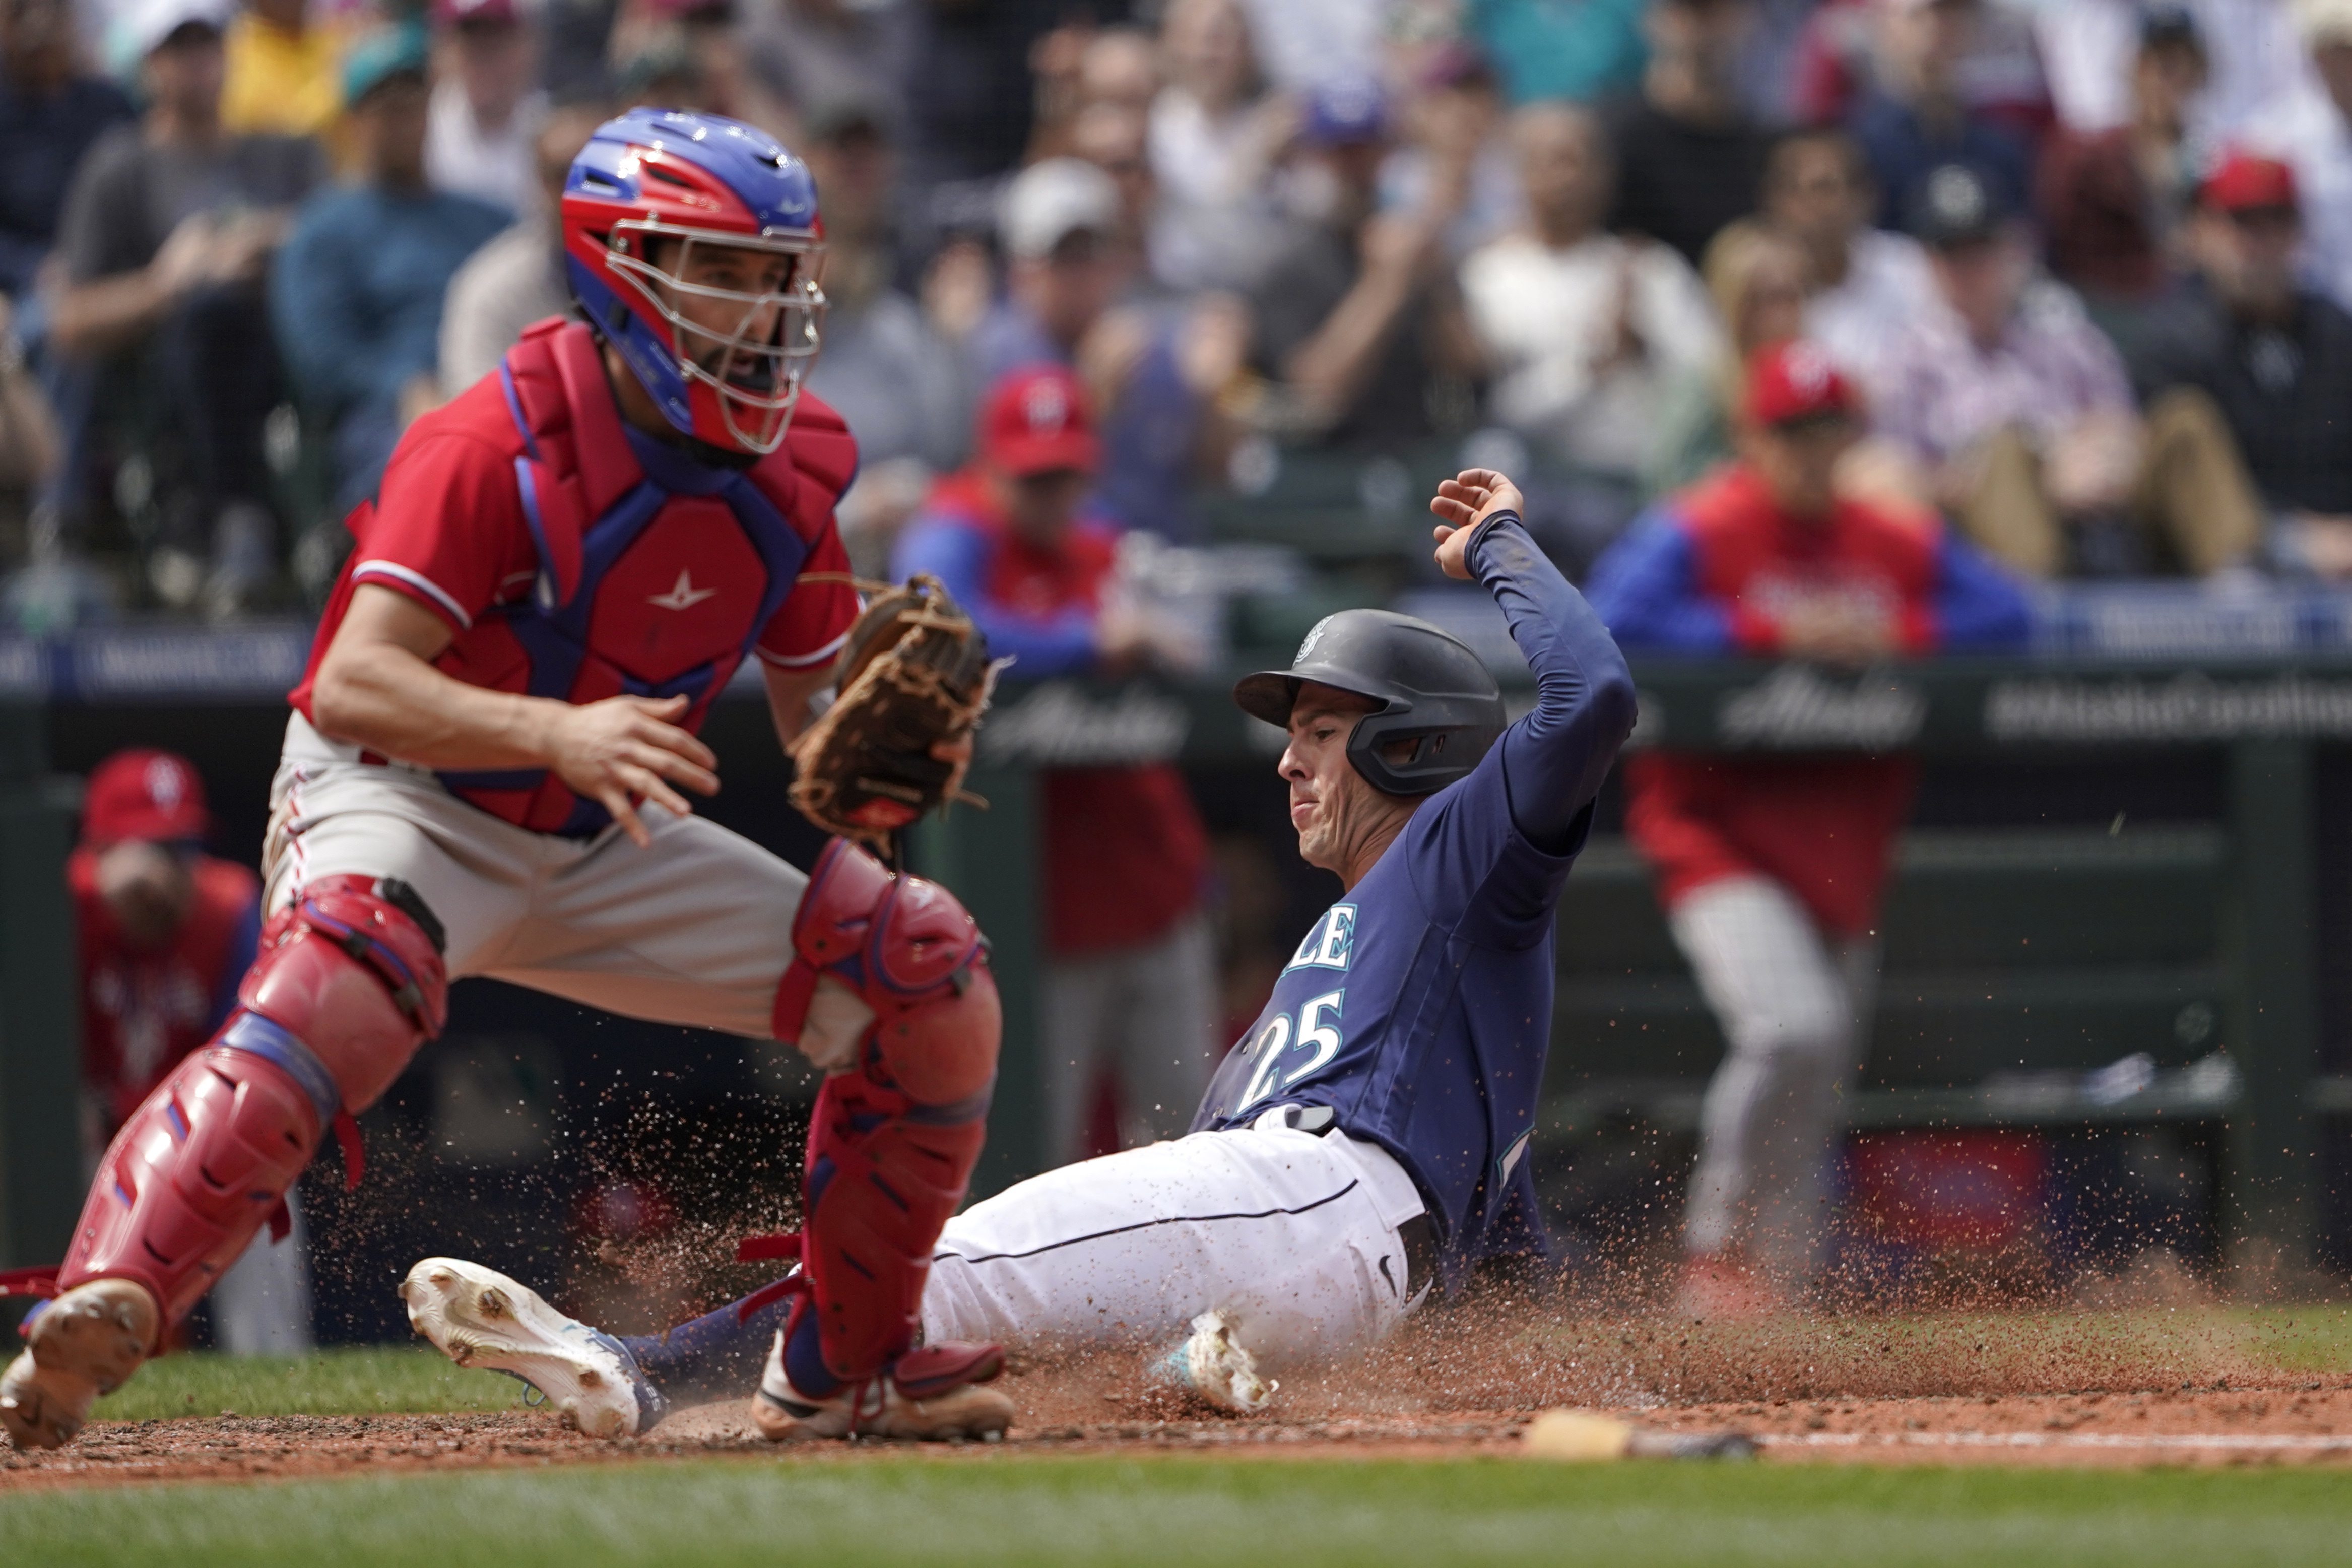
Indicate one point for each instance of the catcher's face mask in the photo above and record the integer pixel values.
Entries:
(745, 316)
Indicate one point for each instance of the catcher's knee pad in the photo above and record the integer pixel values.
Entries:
(895, 1138)
(200, 1167)
(351, 970)
(912, 953)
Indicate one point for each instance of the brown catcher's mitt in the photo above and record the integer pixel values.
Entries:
(914, 672)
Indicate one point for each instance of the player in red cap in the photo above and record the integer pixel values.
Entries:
(487, 773)
(164, 933)
(1771, 868)
(1130, 975)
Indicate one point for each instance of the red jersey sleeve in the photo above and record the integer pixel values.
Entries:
(807, 629)
(448, 529)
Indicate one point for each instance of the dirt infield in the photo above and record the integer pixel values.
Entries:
(2137, 1388)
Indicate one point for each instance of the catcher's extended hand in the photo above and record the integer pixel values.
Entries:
(913, 680)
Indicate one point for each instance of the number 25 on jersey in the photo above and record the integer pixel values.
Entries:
(1317, 1034)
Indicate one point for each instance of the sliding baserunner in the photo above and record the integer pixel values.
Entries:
(1365, 1139)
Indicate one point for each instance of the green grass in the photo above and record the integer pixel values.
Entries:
(376, 1380)
(1002, 1508)
(980, 1508)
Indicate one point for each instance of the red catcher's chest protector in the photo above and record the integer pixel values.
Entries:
(656, 573)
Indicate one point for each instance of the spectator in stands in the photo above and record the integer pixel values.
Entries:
(1129, 981)
(1916, 115)
(1157, 372)
(1301, 42)
(2020, 416)
(1689, 158)
(882, 368)
(969, 101)
(1545, 51)
(357, 295)
(1215, 136)
(1358, 320)
(1867, 284)
(51, 111)
(1586, 331)
(483, 123)
(1771, 871)
(803, 53)
(1757, 278)
(1457, 129)
(2311, 130)
(2254, 47)
(29, 445)
(164, 931)
(2274, 355)
(2110, 201)
(169, 227)
(1120, 66)
(285, 70)
(517, 278)
(1115, 138)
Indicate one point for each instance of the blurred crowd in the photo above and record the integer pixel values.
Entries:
(2087, 261)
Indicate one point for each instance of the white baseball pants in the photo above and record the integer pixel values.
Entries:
(1794, 1004)
(1292, 1236)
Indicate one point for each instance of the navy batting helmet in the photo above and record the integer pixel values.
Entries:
(1430, 687)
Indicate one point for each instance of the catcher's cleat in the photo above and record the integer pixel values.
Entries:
(86, 1343)
(1211, 1367)
(479, 1317)
(931, 1395)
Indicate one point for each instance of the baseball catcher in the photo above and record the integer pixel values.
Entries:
(483, 776)
(1364, 1140)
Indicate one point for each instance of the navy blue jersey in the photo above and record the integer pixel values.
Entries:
(1418, 1008)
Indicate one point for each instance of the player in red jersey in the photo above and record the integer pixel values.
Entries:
(1771, 868)
(163, 935)
(487, 773)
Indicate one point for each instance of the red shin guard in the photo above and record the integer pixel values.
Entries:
(196, 1171)
(894, 1140)
(349, 983)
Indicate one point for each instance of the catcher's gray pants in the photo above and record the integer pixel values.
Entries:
(1794, 1007)
(691, 930)
(1146, 1012)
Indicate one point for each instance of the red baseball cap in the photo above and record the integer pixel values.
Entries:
(2242, 181)
(1797, 379)
(1036, 421)
(151, 796)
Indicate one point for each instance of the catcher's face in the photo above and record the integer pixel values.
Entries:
(1341, 820)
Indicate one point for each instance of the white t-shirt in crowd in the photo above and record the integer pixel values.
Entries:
(2255, 58)
(1887, 285)
(1548, 317)
(497, 166)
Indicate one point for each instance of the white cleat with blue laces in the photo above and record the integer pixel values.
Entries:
(479, 1317)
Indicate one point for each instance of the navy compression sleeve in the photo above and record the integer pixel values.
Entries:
(1555, 758)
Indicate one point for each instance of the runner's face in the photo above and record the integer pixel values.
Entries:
(1329, 798)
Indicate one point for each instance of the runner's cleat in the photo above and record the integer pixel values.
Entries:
(86, 1343)
(1211, 1367)
(479, 1317)
(933, 1394)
